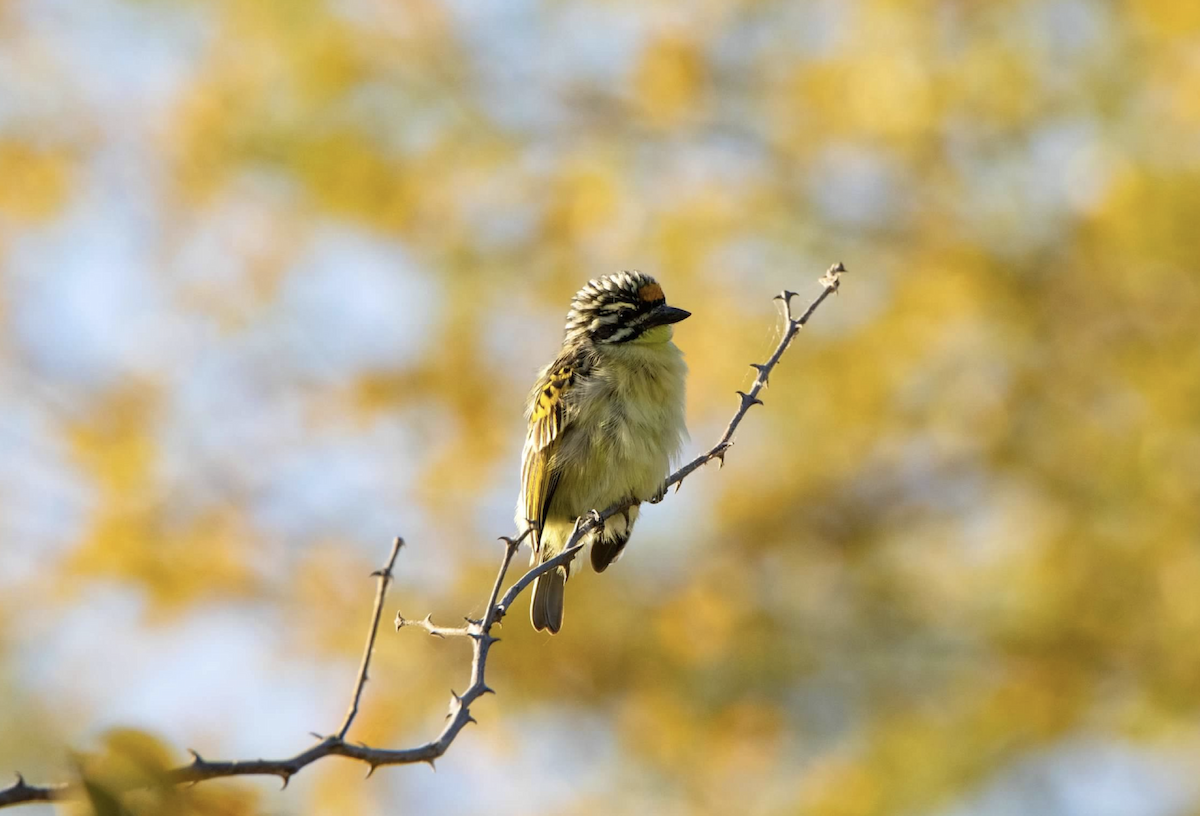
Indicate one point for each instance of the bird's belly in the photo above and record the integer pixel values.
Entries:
(626, 427)
(611, 463)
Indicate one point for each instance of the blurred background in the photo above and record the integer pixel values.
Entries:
(277, 275)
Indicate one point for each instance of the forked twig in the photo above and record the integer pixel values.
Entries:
(479, 631)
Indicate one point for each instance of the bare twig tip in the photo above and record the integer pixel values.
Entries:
(830, 279)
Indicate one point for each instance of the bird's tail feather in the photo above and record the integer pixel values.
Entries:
(606, 550)
(546, 608)
(609, 544)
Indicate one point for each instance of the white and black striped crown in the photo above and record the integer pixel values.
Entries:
(614, 308)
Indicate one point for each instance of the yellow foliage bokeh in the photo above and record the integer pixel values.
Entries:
(277, 277)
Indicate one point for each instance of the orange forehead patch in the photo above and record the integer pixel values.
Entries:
(651, 292)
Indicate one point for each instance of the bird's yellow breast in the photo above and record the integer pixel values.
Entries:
(627, 425)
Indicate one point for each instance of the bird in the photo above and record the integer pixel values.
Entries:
(605, 423)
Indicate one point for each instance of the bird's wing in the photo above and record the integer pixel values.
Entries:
(548, 420)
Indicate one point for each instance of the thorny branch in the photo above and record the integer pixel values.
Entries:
(385, 579)
(479, 631)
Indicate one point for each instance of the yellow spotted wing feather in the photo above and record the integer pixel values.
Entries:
(548, 419)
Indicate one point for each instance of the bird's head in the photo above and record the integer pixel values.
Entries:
(625, 307)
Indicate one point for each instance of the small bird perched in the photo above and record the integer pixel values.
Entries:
(605, 421)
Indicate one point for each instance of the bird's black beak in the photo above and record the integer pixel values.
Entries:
(664, 315)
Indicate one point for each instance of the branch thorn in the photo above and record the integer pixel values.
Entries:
(514, 543)
(786, 296)
(427, 622)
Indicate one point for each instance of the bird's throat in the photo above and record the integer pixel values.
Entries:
(654, 337)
